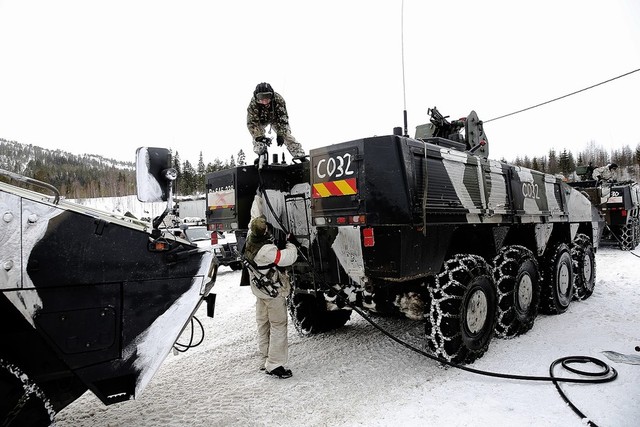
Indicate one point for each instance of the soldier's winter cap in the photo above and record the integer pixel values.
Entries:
(263, 91)
(259, 226)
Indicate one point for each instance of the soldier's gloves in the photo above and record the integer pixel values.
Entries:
(292, 239)
(263, 139)
(280, 140)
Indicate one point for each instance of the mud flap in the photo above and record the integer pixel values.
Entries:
(211, 304)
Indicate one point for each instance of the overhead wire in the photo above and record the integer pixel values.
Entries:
(563, 96)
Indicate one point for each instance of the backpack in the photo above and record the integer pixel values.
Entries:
(265, 282)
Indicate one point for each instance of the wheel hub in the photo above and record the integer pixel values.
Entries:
(563, 279)
(525, 292)
(477, 311)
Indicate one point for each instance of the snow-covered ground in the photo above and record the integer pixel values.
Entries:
(124, 204)
(355, 376)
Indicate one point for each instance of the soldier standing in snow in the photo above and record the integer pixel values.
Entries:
(605, 173)
(271, 306)
(268, 108)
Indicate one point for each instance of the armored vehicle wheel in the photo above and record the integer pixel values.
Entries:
(462, 312)
(22, 402)
(310, 315)
(557, 287)
(517, 281)
(584, 267)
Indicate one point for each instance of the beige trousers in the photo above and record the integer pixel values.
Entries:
(271, 316)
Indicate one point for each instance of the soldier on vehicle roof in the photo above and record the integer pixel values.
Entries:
(267, 108)
(605, 173)
(590, 169)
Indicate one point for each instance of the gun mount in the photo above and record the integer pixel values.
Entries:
(464, 134)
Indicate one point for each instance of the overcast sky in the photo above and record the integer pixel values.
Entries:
(106, 77)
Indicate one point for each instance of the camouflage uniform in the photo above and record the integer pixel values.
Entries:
(605, 173)
(274, 114)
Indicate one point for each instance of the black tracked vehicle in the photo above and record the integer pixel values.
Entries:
(428, 227)
(89, 300)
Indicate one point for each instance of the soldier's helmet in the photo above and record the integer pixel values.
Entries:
(259, 226)
(263, 91)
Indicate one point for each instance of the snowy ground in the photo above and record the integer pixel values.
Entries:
(357, 377)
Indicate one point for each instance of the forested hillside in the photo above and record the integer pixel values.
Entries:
(90, 175)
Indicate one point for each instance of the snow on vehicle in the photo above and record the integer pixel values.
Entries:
(427, 227)
(89, 300)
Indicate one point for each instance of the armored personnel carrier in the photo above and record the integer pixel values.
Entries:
(427, 227)
(89, 300)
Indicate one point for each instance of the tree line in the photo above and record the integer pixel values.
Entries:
(564, 162)
(91, 176)
(75, 176)
(191, 180)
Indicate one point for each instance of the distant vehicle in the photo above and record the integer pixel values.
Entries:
(619, 204)
(226, 250)
(198, 235)
(223, 244)
(193, 220)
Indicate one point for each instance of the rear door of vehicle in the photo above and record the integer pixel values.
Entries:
(335, 178)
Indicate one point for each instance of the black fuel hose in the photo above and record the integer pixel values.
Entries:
(184, 347)
(606, 373)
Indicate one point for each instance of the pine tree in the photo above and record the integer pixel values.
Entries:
(189, 179)
(200, 173)
(565, 163)
(534, 164)
(175, 163)
(200, 164)
(553, 162)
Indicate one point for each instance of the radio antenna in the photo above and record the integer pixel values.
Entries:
(404, 90)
